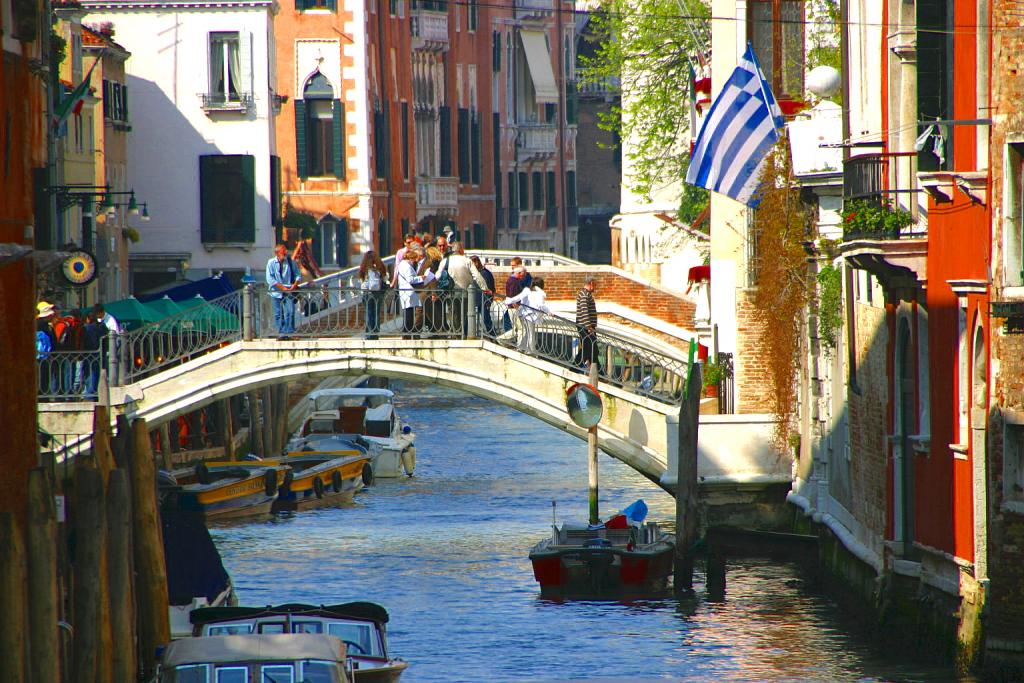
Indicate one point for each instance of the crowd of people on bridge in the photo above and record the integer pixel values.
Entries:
(71, 349)
(435, 286)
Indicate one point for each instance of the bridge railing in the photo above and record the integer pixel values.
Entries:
(465, 314)
(69, 375)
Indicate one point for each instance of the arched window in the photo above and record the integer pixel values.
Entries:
(319, 126)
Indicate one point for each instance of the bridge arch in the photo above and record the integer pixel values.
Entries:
(637, 430)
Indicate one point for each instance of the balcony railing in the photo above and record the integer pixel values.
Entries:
(437, 193)
(227, 102)
(587, 86)
(429, 29)
(536, 140)
(864, 177)
(533, 9)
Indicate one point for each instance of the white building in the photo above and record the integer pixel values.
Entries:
(202, 106)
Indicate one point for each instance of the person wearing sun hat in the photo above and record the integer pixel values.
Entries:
(44, 345)
(44, 309)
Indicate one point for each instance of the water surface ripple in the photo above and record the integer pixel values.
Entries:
(446, 553)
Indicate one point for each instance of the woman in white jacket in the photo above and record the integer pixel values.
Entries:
(534, 301)
(372, 276)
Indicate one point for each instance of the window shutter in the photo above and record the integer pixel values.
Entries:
(496, 51)
(248, 225)
(445, 115)
(207, 193)
(124, 102)
(463, 144)
(245, 61)
(476, 161)
(338, 125)
(301, 162)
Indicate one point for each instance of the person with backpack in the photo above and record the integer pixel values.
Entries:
(44, 347)
(461, 273)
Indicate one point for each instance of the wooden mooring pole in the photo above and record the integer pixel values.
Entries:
(592, 472)
(687, 502)
(255, 424)
(154, 627)
(92, 641)
(44, 664)
(121, 576)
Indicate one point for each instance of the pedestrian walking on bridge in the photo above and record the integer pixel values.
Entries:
(586, 323)
(283, 277)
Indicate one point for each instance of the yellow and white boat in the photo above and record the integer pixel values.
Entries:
(224, 489)
(321, 478)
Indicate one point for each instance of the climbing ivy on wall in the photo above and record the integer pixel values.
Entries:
(781, 226)
(830, 305)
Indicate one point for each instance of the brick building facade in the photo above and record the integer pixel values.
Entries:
(421, 115)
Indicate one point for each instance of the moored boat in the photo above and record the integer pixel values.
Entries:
(343, 417)
(223, 489)
(361, 625)
(625, 556)
(320, 479)
(271, 657)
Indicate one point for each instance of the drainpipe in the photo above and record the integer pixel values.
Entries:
(563, 212)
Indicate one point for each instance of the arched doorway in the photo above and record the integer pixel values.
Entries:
(316, 137)
(903, 456)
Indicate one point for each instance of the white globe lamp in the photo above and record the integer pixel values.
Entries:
(823, 81)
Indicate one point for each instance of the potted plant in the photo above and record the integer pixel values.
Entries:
(862, 218)
(714, 373)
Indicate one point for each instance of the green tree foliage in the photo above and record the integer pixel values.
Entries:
(650, 47)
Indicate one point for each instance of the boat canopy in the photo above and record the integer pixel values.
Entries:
(276, 647)
(367, 611)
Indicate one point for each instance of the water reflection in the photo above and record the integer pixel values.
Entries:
(446, 553)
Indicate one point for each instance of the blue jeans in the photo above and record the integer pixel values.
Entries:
(284, 314)
(373, 302)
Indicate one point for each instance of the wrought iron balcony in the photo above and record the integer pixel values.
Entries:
(428, 27)
(536, 141)
(864, 177)
(589, 87)
(241, 102)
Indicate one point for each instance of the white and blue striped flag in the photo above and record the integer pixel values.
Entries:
(737, 133)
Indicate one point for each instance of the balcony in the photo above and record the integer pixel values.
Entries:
(884, 241)
(536, 141)
(533, 9)
(603, 88)
(864, 177)
(217, 102)
(428, 28)
(436, 196)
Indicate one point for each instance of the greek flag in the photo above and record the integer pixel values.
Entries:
(740, 128)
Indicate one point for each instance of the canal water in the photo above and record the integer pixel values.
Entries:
(446, 553)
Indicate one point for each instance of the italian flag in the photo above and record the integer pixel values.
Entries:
(73, 101)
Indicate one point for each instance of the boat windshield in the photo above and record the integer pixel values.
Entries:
(360, 638)
(309, 671)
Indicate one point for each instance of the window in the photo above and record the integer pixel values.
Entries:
(230, 630)
(445, 118)
(572, 213)
(227, 195)
(479, 236)
(552, 204)
(330, 243)
(463, 145)
(524, 191)
(476, 163)
(380, 143)
(397, 8)
(474, 10)
(319, 130)
(1013, 223)
(192, 673)
(115, 101)
(1013, 466)
(538, 191)
(277, 673)
(935, 78)
(776, 30)
(495, 51)
(302, 5)
(225, 67)
(232, 674)
(319, 672)
(361, 635)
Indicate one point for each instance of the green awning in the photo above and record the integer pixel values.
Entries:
(131, 313)
(202, 316)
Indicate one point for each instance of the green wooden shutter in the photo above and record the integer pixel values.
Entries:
(341, 242)
(124, 103)
(301, 163)
(207, 193)
(462, 141)
(339, 139)
(248, 223)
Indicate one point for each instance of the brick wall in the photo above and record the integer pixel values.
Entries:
(1005, 603)
(869, 421)
(562, 283)
(751, 369)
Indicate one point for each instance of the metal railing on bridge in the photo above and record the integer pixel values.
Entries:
(320, 310)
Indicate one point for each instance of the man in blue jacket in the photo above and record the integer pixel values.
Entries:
(283, 277)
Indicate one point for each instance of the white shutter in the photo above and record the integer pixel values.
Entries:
(245, 60)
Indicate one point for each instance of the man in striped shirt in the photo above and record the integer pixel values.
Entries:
(586, 323)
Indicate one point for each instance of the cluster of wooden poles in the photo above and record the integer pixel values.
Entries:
(85, 601)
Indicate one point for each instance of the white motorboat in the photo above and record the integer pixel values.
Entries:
(339, 418)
